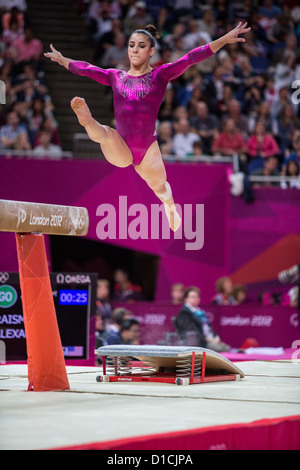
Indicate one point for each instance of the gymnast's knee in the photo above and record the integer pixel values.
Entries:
(162, 189)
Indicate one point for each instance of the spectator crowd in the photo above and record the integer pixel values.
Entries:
(192, 322)
(242, 100)
(27, 115)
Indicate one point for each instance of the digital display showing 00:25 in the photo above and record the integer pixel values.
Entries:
(73, 297)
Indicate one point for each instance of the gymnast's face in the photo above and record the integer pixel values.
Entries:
(139, 49)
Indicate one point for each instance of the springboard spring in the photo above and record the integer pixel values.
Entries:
(184, 367)
(118, 365)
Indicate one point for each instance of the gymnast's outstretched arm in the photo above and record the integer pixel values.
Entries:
(230, 38)
(56, 56)
(80, 67)
(175, 69)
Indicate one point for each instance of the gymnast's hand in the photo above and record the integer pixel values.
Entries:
(56, 56)
(232, 36)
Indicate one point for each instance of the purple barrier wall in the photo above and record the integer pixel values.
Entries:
(251, 242)
(264, 238)
(198, 256)
(270, 326)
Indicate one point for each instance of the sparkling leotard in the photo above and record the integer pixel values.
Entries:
(137, 99)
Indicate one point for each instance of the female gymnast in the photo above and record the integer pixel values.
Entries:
(138, 94)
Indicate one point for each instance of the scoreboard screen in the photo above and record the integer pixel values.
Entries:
(74, 296)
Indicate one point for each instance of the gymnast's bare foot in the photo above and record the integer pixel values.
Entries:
(173, 217)
(81, 109)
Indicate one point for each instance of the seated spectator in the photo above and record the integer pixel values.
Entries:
(287, 123)
(103, 305)
(180, 112)
(285, 72)
(290, 50)
(254, 94)
(263, 115)
(292, 170)
(29, 95)
(281, 100)
(194, 34)
(270, 168)
(168, 105)
(214, 88)
(224, 290)
(184, 138)
(197, 149)
(99, 335)
(10, 132)
(178, 51)
(116, 56)
(129, 333)
(101, 22)
(125, 290)
(222, 9)
(164, 138)
(12, 33)
(36, 77)
(14, 14)
(294, 152)
(261, 145)
(234, 112)
(232, 72)
(23, 143)
(108, 39)
(223, 104)
(7, 5)
(206, 125)
(182, 9)
(45, 149)
(26, 49)
(119, 315)
(177, 293)
(139, 19)
(252, 47)
(280, 29)
(239, 292)
(229, 141)
(197, 94)
(185, 91)
(208, 23)
(164, 57)
(271, 93)
(191, 318)
(178, 31)
(36, 116)
(48, 124)
(269, 10)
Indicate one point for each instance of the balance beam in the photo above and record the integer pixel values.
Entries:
(49, 219)
(30, 222)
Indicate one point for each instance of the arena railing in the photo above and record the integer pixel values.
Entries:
(4, 153)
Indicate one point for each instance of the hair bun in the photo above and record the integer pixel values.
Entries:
(153, 31)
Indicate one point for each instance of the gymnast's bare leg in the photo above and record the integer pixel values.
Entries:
(116, 151)
(152, 170)
(113, 146)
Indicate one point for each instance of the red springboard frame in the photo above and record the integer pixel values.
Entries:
(165, 377)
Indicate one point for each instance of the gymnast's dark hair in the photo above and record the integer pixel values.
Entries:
(151, 32)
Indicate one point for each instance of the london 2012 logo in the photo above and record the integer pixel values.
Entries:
(8, 296)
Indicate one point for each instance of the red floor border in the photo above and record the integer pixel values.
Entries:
(266, 434)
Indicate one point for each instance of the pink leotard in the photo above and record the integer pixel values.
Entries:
(137, 99)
